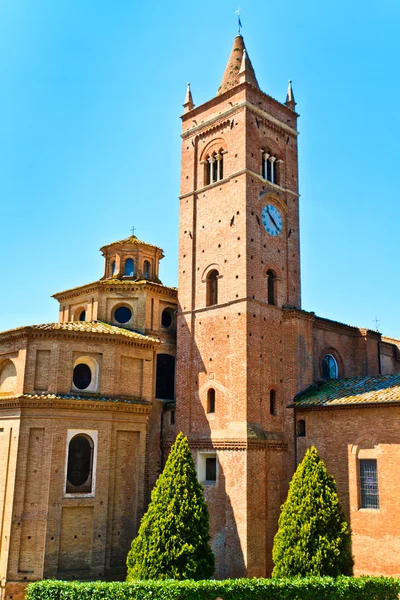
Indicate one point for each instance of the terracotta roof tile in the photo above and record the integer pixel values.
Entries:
(81, 396)
(132, 239)
(375, 389)
(87, 327)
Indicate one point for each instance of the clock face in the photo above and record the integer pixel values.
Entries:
(271, 219)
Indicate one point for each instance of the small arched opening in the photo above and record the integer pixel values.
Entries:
(211, 400)
(146, 269)
(212, 288)
(271, 286)
(272, 402)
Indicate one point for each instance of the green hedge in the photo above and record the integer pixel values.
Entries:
(307, 588)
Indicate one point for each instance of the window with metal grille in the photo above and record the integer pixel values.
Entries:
(369, 494)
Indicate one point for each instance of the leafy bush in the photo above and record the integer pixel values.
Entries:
(173, 538)
(313, 536)
(310, 588)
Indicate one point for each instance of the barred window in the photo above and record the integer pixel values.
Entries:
(369, 494)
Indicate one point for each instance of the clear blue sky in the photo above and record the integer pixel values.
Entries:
(91, 94)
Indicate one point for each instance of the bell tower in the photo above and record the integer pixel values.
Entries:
(239, 277)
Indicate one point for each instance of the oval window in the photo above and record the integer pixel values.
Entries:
(166, 317)
(79, 461)
(82, 376)
(123, 314)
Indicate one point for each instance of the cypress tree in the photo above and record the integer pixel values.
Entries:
(313, 537)
(173, 538)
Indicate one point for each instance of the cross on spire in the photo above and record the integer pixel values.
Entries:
(377, 323)
(237, 12)
(133, 230)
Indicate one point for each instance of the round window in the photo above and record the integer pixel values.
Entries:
(123, 314)
(166, 317)
(82, 376)
(79, 460)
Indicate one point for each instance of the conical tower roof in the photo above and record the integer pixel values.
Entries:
(232, 72)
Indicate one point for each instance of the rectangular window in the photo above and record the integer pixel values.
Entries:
(369, 494)
(211, 468)
(207, 469)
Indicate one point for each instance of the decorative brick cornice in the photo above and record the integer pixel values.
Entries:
(238, 174)
(233, 444)
(88, 404)
(272, 121)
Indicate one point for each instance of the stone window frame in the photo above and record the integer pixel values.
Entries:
(119, 305)
(201, 466)
(94, 367)
(93, 434)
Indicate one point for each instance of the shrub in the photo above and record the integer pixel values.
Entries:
(312, 588)
(313, 536)
(173, 538)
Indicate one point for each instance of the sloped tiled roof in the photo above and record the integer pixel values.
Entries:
(132, 239)
(90, 397)
(375, 389)
(87, 327)
(77, 396)
(114, 281)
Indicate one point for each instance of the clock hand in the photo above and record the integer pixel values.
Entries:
(272, 219)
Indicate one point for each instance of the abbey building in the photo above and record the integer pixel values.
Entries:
(89, 406)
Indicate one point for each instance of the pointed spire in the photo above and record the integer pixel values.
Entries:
(188, 105)
(238, 69)
(290, 101)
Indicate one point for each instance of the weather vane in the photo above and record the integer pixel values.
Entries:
(133, 230)
(377, 323)
(237, 12)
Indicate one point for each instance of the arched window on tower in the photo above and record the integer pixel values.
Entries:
(212, 288)
(269, 166)
(271, 285)
(146, 269)
(129, 270)
(214, 167)
(113, 267)
(211, 400)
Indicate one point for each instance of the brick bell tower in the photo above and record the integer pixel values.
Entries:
(239, 281)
